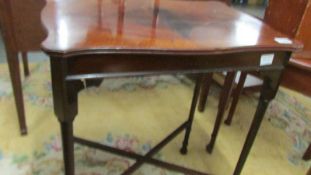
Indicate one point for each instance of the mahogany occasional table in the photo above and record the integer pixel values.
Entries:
(111, 38)
(22, 32)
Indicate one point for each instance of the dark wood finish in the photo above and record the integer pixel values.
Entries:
(268, 92)
(307, 155)
(235, 99)
(68, 148)
(223, 101)
(195, 97)
(291, 18)
(65, 107)
(143, 38)
(22, 32)
(13, 62)
(99, 37)
(206, 83)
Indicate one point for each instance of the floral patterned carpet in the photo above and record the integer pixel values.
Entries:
(134, 114)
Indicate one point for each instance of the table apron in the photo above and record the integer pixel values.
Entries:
(104, 66)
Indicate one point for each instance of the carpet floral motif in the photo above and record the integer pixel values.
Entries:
(48, 161)
(286, 113)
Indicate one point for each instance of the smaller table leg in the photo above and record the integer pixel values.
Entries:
(194, 102)
(269, 89)
(206, 84)
(225, 95)
(236, 95)
(261, 109)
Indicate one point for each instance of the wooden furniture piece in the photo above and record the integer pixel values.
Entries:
(163, 37)
(22, 32)
(294, 19)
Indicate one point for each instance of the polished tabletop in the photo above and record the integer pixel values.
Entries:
(154, 26)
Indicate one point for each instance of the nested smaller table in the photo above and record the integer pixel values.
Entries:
(95, 39)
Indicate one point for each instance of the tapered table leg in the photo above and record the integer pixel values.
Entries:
(68, 147)
(205, 87)
(65, 99)
(194, 102)
(17, 90)
(236, 95)
(261, 109)
(225, 95)
(269, 89)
